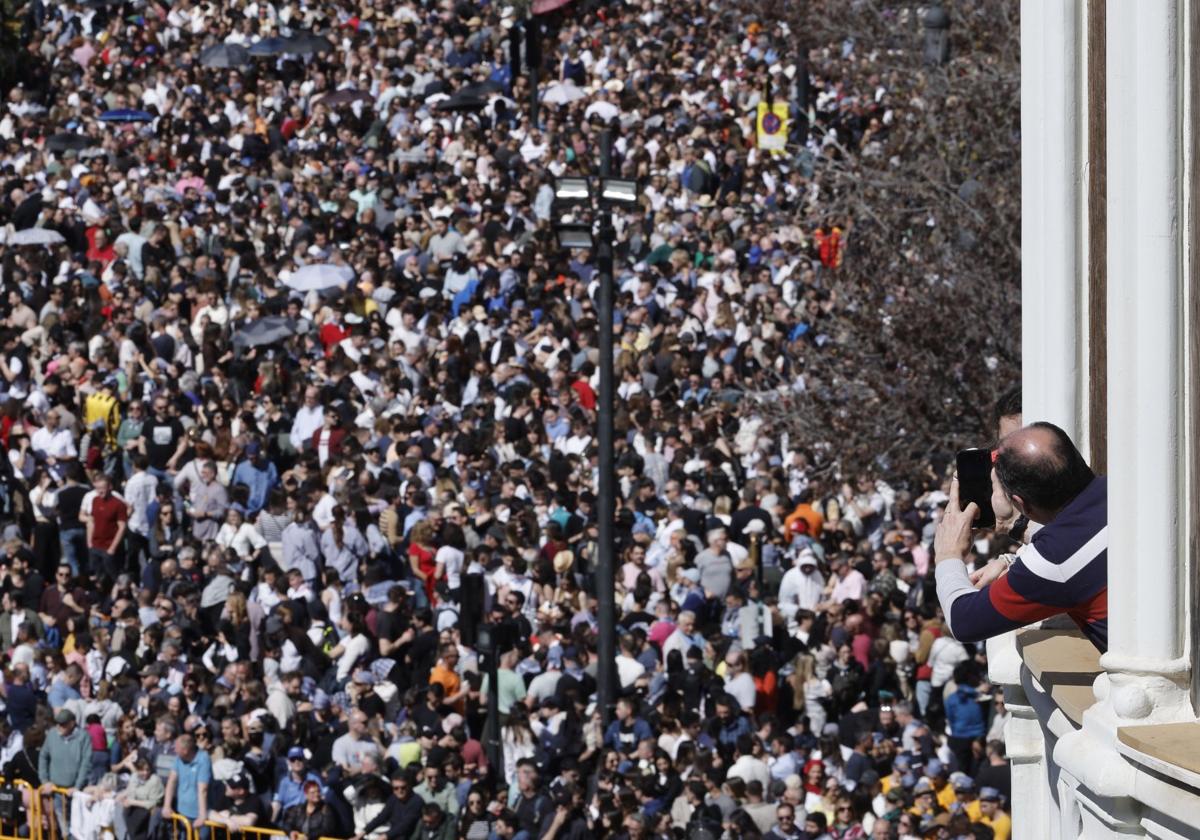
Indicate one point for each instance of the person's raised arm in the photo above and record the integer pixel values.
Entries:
(168, 795)
(973, 615)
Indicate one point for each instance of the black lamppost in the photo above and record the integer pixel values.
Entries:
(533, 61)
(487, 642)
(602, 196)
(525, 36)
(937, 35)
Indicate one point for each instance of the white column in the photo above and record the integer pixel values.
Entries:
(1052, 38)
(1146, 679)
(1051, 222)
(1145, 349)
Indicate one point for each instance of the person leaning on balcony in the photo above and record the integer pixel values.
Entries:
(1039, 472)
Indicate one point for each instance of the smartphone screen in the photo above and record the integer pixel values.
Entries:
(975, 484)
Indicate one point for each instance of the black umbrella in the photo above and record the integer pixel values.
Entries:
(270, 46)
(435, 86)
(225, 56)
(481, 88)
(307, 43)
(26, 214)
(458, 103)
(345, 97)
(126, 115)
(269, 330)
(66, 140)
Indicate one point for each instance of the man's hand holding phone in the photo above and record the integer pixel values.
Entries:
(994, 569)
(953, 536)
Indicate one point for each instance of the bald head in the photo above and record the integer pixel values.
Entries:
(1034, 443)
(1041, 470)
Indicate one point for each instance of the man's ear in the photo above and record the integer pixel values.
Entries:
(1019, 504)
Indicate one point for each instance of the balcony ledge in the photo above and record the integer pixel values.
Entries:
(1065, 664)
(1172, 749)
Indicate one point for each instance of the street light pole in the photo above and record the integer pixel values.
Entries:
(489, 646)
(601, 195)
(533, 61)
(606, 667)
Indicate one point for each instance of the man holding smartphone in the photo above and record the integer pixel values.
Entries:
(1039, 473)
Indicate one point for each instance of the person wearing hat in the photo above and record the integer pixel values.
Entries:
(290, 790)
(925, 803)
(892, 805)
(935, 827)
(966, 797)
(258, 474)
(64, 761)
(687, 592)
(242, 809)
(361, 689)
(938, 777)
(992, 815)
(804, 512)
(801, 588)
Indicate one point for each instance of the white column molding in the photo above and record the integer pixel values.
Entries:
(1145, 364)
(1051, 222)
(1051, 313)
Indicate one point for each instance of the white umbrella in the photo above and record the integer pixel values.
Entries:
(605, 110)
(319, 276)
(35, 236)
(562, 93)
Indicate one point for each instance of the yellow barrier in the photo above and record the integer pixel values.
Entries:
(176, 820)
(32, 814)
(51, 819)
(250, 831)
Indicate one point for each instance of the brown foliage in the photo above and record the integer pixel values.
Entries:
(926, 333)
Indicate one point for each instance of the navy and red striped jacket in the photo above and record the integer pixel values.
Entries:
(1064, 569)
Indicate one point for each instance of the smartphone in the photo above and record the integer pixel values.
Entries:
(975, 484)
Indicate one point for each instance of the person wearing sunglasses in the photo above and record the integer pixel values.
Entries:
(401, 812)
(785, 827)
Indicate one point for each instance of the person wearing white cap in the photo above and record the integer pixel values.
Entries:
(801, 588)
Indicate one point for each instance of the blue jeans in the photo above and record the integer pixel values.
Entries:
(100, 763)
(924, 692)
(74, 547)
(161, 475)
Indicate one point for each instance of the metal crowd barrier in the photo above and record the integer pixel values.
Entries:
(176, 821)
(250, 832)
(32, 815)
(51, 819)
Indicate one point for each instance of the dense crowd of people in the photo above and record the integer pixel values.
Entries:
(294, 376)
